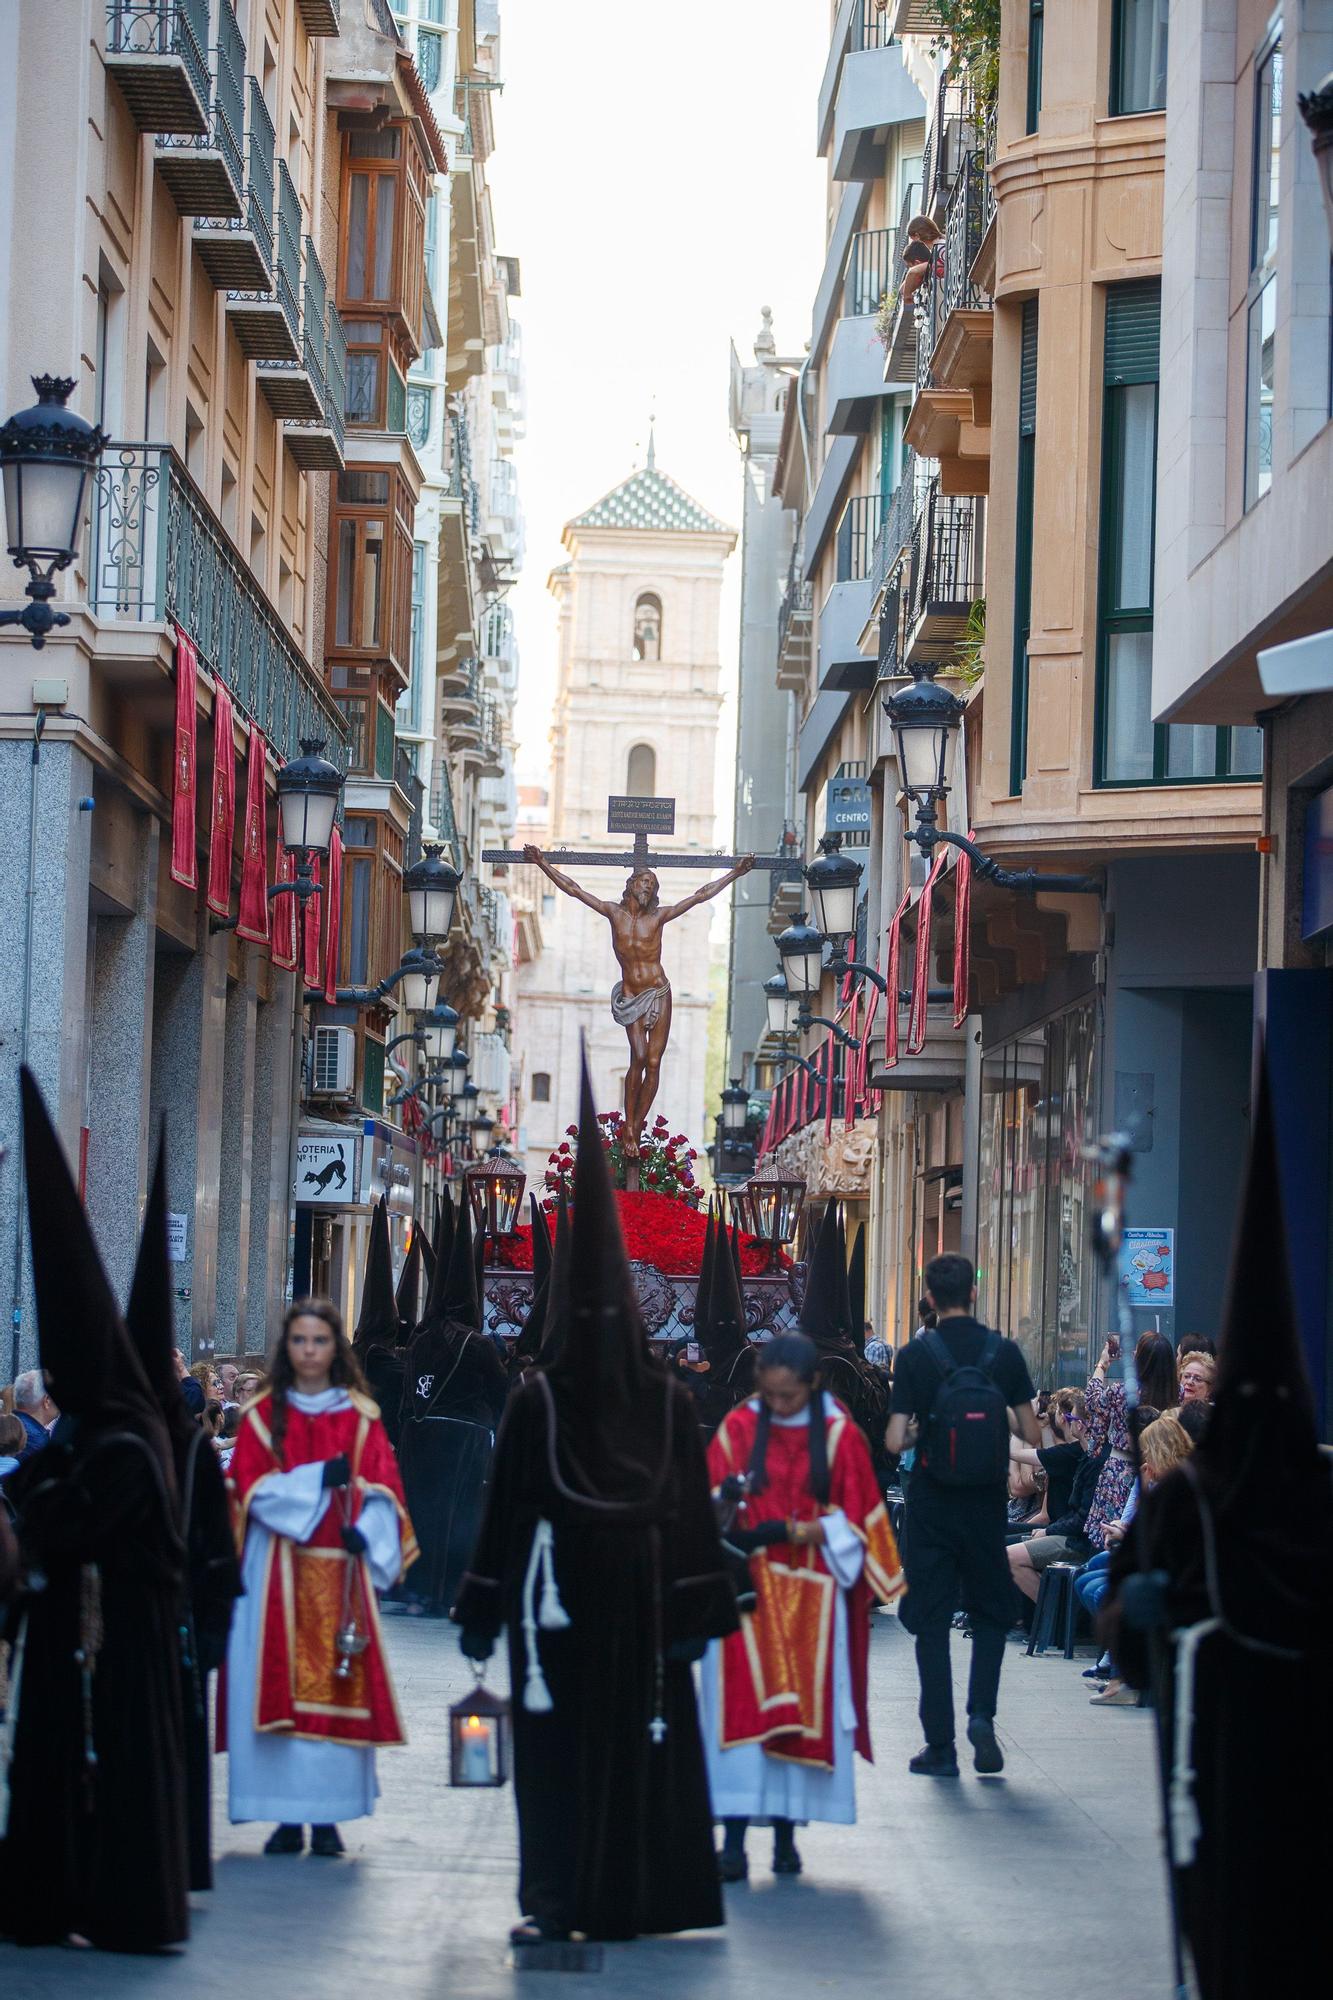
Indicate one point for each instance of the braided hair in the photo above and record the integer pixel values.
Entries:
(794, 1351)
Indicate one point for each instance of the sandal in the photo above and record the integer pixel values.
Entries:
(539, 1930)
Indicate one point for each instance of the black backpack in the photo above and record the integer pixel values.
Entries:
(966, 1439)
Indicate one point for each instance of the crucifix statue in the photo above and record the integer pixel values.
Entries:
(641, 997)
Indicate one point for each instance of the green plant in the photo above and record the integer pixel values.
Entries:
(969, 661)
(888, 306)
(971, 34)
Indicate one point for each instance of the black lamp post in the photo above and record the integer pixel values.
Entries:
(801, 954)
(1316, 108)
(924, 718)
(309, 788)
(431, 887)
(47, 455)
(735, 1109)
(784, 1010)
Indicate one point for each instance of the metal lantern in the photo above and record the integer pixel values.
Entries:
(454, 1074)
(308, 792)
(420, 975)
(784, 1012)
(431, 887)
(480, 1733)
(924, 717)
(440, 1029)
(735, 1109)
(482, 1127)
(742, 1210)
(801, 952)
(48, 455)
(776, 1201)
(834, 880)
(495, 1189)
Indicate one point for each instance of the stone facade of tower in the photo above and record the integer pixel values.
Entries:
(636, 711)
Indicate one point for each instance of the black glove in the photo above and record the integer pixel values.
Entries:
(732, 1488)
(474, 1645)
(337, 1471)
(687, 1650)
(765, 1536)
(353, 1540)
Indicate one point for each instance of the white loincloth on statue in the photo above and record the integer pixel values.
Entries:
(645, 1007)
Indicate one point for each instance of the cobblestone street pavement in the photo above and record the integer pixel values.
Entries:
(1044, 1882)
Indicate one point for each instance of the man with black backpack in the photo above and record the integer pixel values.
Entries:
(958, 1393)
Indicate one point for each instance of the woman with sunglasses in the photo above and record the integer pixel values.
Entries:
(1073, 1473)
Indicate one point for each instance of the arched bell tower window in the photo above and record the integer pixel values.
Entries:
(648, 628)
(641, 777)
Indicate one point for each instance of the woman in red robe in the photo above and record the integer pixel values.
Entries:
(322, 1525)
(784, 1699)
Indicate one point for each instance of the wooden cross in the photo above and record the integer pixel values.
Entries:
(642, 817)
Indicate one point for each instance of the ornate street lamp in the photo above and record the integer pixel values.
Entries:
(47, 455)
(924, 718)
(431, 887)
(742, 1209)
(801, 952)
(309, 788)
(1316, 108)
(479, 1134)
(784, 1010)
(417, 977)
(834, 879)
(735, 1109)
(436, 1033)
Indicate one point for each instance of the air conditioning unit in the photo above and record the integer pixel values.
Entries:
(333, 1067)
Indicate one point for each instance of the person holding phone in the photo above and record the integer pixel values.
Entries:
(1108, 1421)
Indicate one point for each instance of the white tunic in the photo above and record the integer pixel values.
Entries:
(745, 1782)
(279, 1777)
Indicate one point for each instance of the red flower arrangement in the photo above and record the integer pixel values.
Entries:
(658, 1230)
(666, 1161)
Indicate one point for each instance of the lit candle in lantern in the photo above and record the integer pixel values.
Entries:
(476, 1745)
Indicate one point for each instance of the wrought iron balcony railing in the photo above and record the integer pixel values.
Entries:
(856, 537)
(237, 250)
(964, 227)
(204, 172)
(157, 50)
(442, 805)
(871, 262)
(870, 27)
(895, 530)
(795, 614)
(159, 554)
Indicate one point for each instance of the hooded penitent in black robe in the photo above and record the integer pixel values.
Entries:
(212, 1569)
(213, 1574)
(96, 1840)
(600, 1555)
(1244, 1533)
(453, 1400)
(376, 1341)
(826, 1317)
(523, 1353)
(719, 1328)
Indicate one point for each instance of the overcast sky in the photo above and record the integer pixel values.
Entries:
(655, 174)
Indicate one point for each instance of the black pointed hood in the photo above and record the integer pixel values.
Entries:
(856, 1287)
(1263, 1426)
(703, 1292)
(541, 1242)
(611, 1401)
(377, 1324)
(727, 1337)
(149, 1313)
(459, 1303)
(407, 1296)
(94, 1371)
(551, 1326)
(852, 1330)
(441, 1256)
(823, 1312)
(529, 1339)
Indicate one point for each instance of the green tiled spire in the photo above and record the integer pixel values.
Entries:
(649, 500)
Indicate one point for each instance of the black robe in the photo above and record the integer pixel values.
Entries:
(214, 1584)
(615, 1831)
(1263, 1730)
(385, 1370)
(98, 1849)
(452, 1404)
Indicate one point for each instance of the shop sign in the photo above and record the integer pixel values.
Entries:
(325, 1170)
(847, 810)
(1148, 1267)
(387, 1167)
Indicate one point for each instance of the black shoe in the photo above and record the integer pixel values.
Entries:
(937, 1760)
(285, 1840)
(538, 1930)
(326, 1840)
(987, 1756)
(732, 1865)
(786, 1860)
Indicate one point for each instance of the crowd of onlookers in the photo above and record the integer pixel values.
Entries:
(215, 1393)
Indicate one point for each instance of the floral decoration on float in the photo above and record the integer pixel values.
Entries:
(663, 1223)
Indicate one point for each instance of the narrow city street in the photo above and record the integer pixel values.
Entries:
(944, 1891)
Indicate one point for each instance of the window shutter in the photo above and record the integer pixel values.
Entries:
(1133, 324)
(1027, 373)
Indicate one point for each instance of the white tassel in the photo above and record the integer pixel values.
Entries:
(536, 1695)
(1185, 1824)
(553, 1616)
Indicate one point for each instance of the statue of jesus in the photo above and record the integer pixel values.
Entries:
(641, 997)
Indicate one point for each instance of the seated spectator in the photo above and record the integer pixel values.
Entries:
(1062, 1455)
(13, 1439)
(34, 1409)
(1163, 1444)
(1194, 1343)
(227, 1371)
(1198, 1372)
(1193, 1419)
(1027, 1495)
(1065, 1538)
(225, 1443)
(211, 1420)
(247, 1386)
